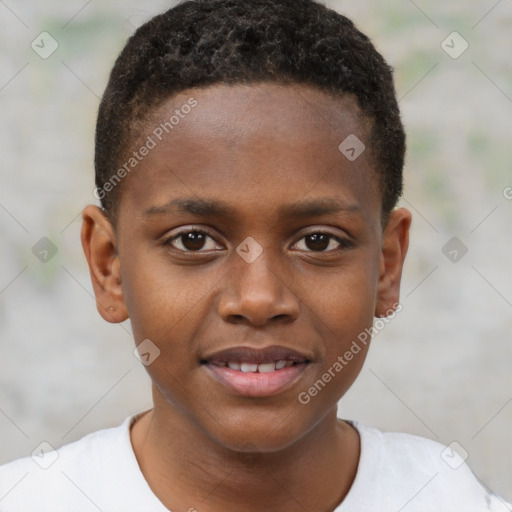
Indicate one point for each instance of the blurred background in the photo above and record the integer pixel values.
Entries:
(440, 369)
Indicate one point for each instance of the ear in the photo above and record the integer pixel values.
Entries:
(99, 244)
(395, 242)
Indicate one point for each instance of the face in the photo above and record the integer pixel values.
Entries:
(246, 237)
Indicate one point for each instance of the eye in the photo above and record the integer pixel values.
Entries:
(192, 241)
(323, 242)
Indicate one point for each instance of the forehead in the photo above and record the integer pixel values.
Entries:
(253, 145)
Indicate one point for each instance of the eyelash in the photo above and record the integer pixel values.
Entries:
(343, 242)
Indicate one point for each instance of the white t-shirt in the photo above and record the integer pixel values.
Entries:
(396, 472)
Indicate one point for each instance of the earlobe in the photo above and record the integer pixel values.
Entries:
(395, 243)
(99, 245)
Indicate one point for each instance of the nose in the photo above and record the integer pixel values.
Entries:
(257, 293)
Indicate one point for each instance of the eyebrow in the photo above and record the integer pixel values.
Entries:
(216, 208)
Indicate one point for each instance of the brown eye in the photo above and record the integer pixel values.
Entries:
(317, 241)
(192, 241)
(322, 242)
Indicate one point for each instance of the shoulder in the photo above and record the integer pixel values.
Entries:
(64, 479)
(426, 474)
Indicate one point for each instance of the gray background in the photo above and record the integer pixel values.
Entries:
(441, 368)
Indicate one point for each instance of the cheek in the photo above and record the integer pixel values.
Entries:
(343, 308)
(344, 298)
(163, 300)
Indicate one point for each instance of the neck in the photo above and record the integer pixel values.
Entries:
(189, 471)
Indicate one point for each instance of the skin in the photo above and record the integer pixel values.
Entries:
(259, 148)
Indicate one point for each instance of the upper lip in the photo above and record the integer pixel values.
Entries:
(254, 355)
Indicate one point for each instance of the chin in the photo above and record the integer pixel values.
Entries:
(255, 433)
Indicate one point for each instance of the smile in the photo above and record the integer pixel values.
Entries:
(254, 383)
(256, 372)
(257, 368)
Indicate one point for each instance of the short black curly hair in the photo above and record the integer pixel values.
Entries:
(204, 42)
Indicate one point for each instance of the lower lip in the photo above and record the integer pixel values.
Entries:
(257, 384)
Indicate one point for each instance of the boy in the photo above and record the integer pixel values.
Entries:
(249, 160)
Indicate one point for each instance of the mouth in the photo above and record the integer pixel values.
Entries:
(257, 368)
(247, 371)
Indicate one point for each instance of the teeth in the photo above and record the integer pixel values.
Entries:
(266, 367)
(253, 367)
(248, 367)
